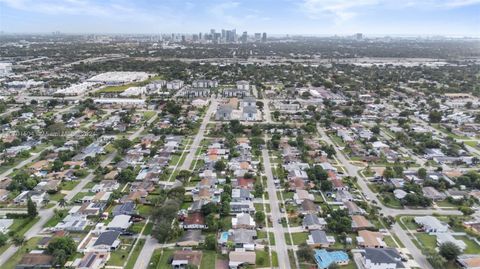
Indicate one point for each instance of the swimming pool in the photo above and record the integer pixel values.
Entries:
(223, 237)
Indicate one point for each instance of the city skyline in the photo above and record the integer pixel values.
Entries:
(306, 17)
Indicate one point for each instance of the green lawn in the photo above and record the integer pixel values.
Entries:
(298, 238)
(80, 195)
(428, 242)
(274, 259)
(148, 229)
(21, 226)
(389, 200)
(389, 241)
(263, 235)
(407, 222)
(145, 210)
(27, 247)
(69, 185)
(160, 259)
(60, 215)
(472, 246)
(148, 115)
(56, 197)
(135, 253)
(119, 256)
(445, 203)
(471, 143)
(263, 259)
(259, 207)
(208, 259)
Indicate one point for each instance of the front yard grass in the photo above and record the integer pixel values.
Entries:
(134, 256)
(208, 259)
(262, 260)
(298, 238)
(472, 246)
(428, 242)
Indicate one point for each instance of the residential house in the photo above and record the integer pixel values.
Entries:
(313, 222)
(120, 223)
(3, 195)
(194, 221)
(302, 195)
(107, 185)
(35, 261)
(5, 224)
(325, 259)
(183, 258)
(36, 196)
(243, 220)
(309, 207)
(469, 261)
(240, 259)
(242, 207)
(239, 195)
(107, 241)
(92, 260)
(381, 258)
(244, 238)
(359, 222)
(353, 208)
(127, 208)
(72, 223)
(190, 238)
(443, 238)
(369, 239)
(319, 239)
(431, 224)
(432, 193)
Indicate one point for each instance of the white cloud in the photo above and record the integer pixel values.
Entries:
(342, 10)
(115, 8)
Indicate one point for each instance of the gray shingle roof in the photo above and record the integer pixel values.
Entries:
(107, 238)
(384, 255)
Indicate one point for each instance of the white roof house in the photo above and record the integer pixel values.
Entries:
(119, 222)
(431, 224)
(447, 237)
(5, 224)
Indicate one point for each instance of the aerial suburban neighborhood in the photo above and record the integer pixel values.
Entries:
(220, 150)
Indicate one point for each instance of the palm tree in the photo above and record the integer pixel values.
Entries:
(62, 202)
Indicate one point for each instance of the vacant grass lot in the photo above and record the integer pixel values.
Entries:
(298, 238)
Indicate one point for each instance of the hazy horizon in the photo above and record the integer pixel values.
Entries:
(450, 18)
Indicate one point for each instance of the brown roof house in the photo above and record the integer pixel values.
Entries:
(194, 221)
(35, 261)
(239, 258)
(359, 222)
(369, 239)
(182, 258)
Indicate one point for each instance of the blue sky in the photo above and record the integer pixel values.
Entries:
(319, 17)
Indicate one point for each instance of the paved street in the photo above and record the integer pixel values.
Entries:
(352, 170)
(199, 137)
(46, 214)
(151, 243)
(280, 244)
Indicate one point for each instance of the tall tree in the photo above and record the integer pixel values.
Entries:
(31, 208)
